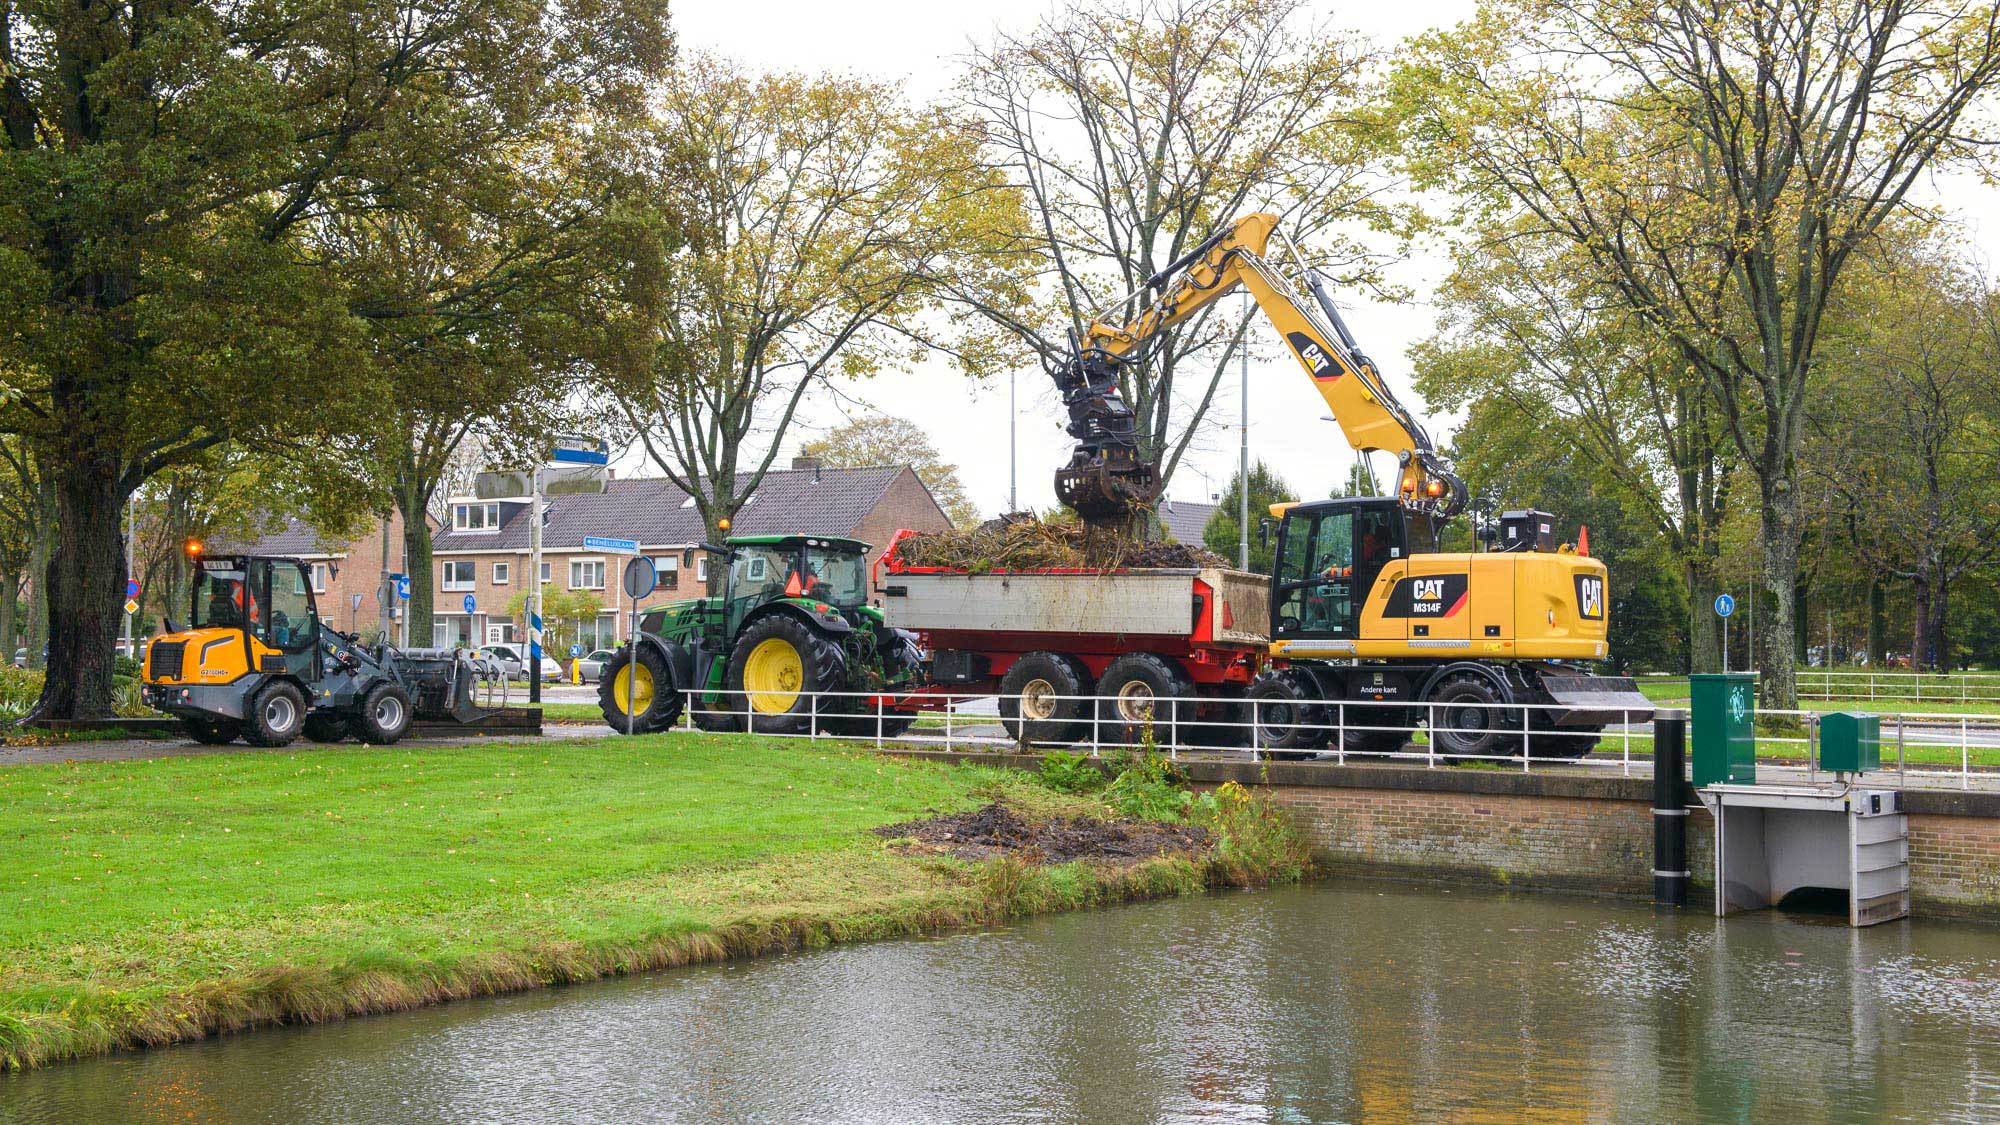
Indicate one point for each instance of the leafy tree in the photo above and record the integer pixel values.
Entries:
(1774, 138)
(882, 440)
(161, 166)
(1222, 534)
(822, 216)
(564, 613)
(1134, 130)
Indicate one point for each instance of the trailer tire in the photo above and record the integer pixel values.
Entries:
(323, 726)
(1283, 723)
(1038, 699)
(275, 716)
(862, 724)
(1471, 731)
(384, 716)
(1148, 694)
(212, 732)
(780, 655)
(1223, 724)
(658, 703)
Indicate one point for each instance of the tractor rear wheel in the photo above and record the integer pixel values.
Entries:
(275, 715)
(212, 732)
(654, 702)
(384, 716)
(782, 667)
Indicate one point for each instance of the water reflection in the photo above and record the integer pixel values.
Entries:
(1356, 1002)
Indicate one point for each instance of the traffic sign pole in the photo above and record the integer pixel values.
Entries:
(534, 602)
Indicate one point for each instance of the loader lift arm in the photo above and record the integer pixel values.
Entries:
(1107, 477)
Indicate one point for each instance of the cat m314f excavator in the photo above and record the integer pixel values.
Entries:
(1364, 607)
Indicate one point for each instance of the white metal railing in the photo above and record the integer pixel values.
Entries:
(1827, 684)
(1929, 747)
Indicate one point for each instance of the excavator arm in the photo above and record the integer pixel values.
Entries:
(1107, 477)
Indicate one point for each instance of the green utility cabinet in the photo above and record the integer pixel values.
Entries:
(1725, 727)
(1850, 741)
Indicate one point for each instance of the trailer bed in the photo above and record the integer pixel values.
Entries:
(1232, 605)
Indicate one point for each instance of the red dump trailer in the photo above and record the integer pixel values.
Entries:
(1176, 648)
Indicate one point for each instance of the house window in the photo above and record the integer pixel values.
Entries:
(669, 569)
(500, 634)
(501, 573)
(458, 574)
(701, 568)
(586, 574)
(321, 574)
(545, 573)
(475, 517)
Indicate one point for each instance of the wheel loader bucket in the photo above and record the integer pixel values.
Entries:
(442, 684)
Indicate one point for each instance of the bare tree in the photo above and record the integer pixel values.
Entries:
(1135, 129)
(1775, 135)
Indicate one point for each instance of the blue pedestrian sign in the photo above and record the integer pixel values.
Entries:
(402, 586)
(575, 651)
(1724, 605)
(470, 605)
(131, 587)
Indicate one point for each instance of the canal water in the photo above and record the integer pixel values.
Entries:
(1356, 1001)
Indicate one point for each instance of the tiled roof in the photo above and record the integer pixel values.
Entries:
(1185, 520)
(654, 512)
(291, 537)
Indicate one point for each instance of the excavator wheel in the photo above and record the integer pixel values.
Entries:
(1466, 725)
(1285, 723)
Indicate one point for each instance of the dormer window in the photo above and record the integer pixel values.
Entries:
(475, 517)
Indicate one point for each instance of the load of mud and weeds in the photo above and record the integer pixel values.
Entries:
(1023, 542)
(998, 830)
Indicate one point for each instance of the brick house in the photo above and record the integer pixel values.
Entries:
(483, 551)
(345, 575)
(1185, 520)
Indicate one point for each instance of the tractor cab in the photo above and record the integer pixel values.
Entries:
(1329, 555)
(824, 570)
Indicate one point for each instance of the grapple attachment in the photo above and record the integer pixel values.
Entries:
(1107, 489)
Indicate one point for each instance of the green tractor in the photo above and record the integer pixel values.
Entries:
(792, 621)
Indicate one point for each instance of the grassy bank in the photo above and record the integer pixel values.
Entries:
(153, 901)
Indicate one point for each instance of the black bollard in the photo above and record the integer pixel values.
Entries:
(1670, 814)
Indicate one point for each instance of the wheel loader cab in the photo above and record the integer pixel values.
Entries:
(245, 615)
(1328, 556)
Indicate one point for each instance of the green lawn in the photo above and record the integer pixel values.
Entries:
(572, 713)
(146, 901)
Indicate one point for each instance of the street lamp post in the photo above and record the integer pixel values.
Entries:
(1243, 447)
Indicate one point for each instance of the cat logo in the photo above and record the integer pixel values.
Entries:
(1318, 364)
(1429, 590)
(1590, 597)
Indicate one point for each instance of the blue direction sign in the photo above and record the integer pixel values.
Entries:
(402, 586)
(581, 451)
(1724, 605)
(131, 587)
(470, 605)
(614, 546)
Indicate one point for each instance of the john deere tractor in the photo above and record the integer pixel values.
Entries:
(792, 621)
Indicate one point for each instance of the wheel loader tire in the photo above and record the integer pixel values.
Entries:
(275, 716)
(781, 666)
(323, 726)
(1148, 694)
(212, 732)
(1038, 699)
(1286, 722)
(656, 706)
(384, 717)
(1467, 727)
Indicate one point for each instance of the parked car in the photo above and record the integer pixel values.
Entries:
(591, 667)
(513, 663)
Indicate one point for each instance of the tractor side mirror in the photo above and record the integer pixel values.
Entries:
(687, 557)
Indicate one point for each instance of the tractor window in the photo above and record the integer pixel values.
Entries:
(837, 576)
(759, 572)
(290, 628)
(218, 597)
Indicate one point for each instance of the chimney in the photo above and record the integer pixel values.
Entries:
(805, 461)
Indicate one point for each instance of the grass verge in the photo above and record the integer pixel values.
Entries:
(153, 901)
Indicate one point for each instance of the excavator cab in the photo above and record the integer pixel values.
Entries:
(1329, 554)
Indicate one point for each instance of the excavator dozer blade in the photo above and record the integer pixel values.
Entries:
(1596, 701)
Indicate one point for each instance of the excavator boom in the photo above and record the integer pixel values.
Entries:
(1107, 477)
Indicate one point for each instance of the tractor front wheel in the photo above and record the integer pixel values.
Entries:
(654, 702)
(781, 666)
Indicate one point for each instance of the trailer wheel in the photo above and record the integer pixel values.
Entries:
(384, 716)
(323, 726)
(211, 732)
(1221, 723)
(655, 703)
(1039, 702)
(1466, 727)
(862, 724)
(276, 715)
(1287, 722)
(782, 665)
(1146, 693)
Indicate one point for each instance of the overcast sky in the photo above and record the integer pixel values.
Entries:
(917, 42)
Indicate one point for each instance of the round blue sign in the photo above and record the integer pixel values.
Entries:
(470, 605)
(575, 651)
(1724, 605)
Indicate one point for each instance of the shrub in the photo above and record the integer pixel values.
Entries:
(1254, 843)
(1071, 773)
(1148, 787)
(19, 688)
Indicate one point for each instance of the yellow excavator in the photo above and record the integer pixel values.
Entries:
(1364, 607)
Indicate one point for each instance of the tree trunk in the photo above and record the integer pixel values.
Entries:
(1938, 639)
(417, 561)
(1800, 618)
(1778, 688)
(86, 576)
(39, 553)
(1920, 620)
(1704, 627)
(1878, 622)
(10, 595)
